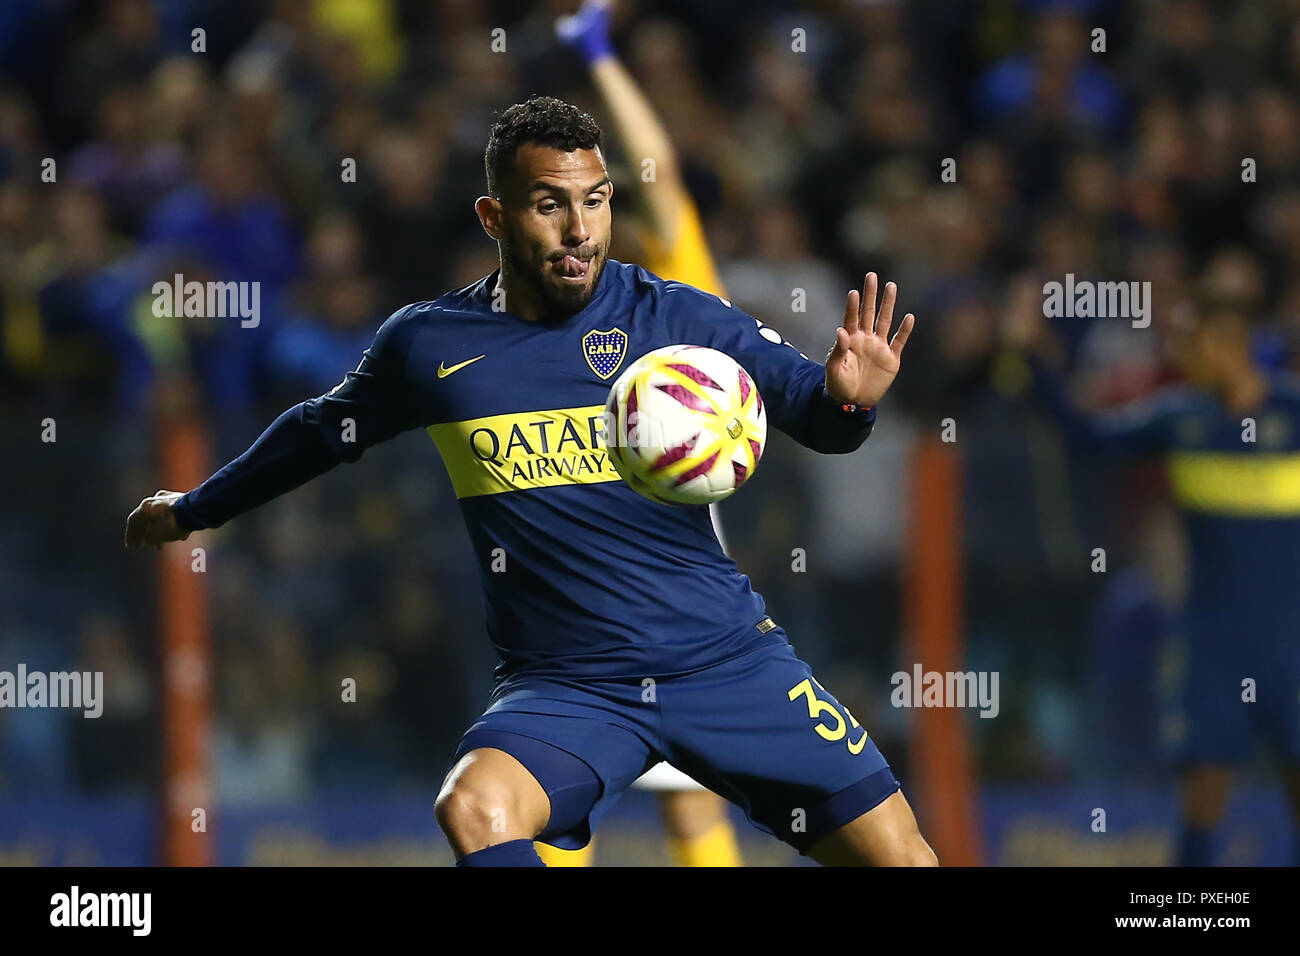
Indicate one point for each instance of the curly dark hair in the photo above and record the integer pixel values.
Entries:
(544, 120)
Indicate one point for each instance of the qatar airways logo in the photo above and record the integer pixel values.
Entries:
(528, 450)
(541, 433)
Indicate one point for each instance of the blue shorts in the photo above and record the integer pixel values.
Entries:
(1217, 725)
(757, 729)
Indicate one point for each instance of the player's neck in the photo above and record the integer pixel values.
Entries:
(519, 302)
(522, 301)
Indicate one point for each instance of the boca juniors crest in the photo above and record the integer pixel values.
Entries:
(604, 351)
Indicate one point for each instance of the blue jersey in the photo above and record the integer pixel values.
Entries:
(582, 576)
(1236, 482)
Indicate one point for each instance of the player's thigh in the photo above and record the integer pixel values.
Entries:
(886, 835)
(489, 797)
(761, 731)
(583, 743)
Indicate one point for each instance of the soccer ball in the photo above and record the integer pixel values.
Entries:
(685, 425)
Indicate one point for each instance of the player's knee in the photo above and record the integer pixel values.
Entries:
(476, 813)
(902, 846)
(887, 836)
(916, 852)
(897, 840)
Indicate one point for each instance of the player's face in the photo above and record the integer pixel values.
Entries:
(556, 223)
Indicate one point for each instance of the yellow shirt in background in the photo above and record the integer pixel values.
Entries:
(688, 259)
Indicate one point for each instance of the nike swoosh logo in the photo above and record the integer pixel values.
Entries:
(443, 371)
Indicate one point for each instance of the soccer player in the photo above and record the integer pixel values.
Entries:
(626, 636)
(672, 239)
(1230, 437)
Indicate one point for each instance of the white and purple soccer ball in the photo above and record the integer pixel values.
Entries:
(685, 425)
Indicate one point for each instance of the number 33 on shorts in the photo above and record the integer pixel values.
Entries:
(817, 707)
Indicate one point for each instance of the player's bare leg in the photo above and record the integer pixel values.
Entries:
(489, 798)
(886, 835)
(699, 830)
(691, 814)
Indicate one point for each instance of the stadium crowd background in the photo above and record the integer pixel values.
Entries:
(809, 169)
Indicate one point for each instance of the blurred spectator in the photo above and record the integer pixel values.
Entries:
(330, 318)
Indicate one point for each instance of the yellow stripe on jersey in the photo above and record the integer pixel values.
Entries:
(688, 258)
(541, 449)
(1244, 485)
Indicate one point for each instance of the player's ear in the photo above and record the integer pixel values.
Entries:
(490, 213)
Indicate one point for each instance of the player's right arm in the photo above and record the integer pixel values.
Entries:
(371, 405)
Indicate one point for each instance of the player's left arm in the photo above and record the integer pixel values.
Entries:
(829, 408)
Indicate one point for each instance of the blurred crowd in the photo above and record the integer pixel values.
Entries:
(1154, 141)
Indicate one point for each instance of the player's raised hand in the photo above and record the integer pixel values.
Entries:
(153, 523)
(862, 364)
(587, 31)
